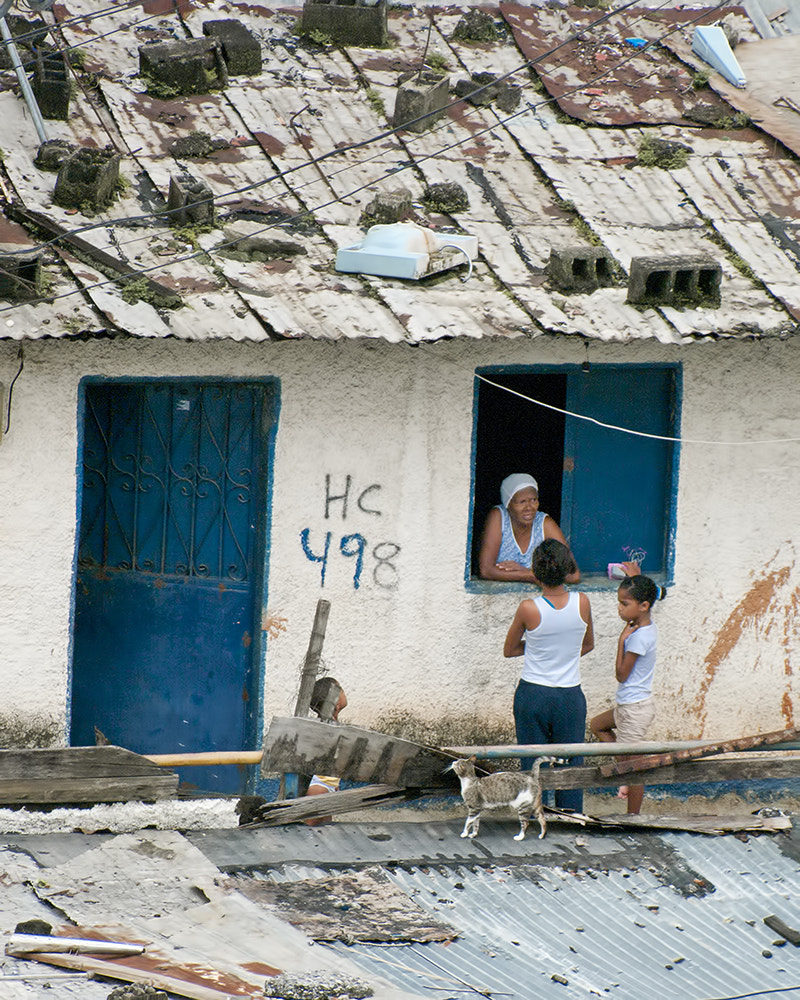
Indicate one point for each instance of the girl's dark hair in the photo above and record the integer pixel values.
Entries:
(642, 588)
(552, 562)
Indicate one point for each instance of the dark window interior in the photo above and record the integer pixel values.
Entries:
(611, 492)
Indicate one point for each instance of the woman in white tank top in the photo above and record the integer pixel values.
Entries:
(552, 632)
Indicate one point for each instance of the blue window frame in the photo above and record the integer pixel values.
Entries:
(611, 492)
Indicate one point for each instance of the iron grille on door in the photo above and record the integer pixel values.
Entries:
(170, 478)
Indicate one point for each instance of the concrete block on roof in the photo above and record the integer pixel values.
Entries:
(190, 202)
(581, 268)
(188, 66)
(422, 97)
(674, 281)
(240, 47)
(20, 275)
(347, 23)
(88, 179)
(51, 86)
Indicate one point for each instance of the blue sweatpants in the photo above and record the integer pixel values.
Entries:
(551, 715)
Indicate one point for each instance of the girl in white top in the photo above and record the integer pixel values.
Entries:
(635, 706)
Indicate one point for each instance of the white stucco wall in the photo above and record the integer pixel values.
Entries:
(401, 418)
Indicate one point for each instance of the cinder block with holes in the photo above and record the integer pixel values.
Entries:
(240, 47)
(422, 97)
(581, 268)
(51, 86)
(674, 281)
(347, 24)
(190, 202)
(189, 66)
(88, 178)
(20, 275)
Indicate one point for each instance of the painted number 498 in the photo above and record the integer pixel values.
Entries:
(355, 546)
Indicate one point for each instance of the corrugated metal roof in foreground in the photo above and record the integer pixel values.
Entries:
(637, 917)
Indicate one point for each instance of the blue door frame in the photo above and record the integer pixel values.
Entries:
(174, 517)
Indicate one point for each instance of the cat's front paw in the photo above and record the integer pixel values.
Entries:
(519, 836)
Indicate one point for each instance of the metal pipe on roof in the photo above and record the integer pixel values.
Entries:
(596, 749)
(24, 83)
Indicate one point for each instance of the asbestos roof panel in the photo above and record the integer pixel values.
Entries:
(641, 197)
(345, 182)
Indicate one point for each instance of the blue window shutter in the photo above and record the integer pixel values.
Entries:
(616, 492)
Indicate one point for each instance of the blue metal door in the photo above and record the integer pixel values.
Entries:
(170, 568)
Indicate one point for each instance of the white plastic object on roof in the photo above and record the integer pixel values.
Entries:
(406, 250)
(711, 44)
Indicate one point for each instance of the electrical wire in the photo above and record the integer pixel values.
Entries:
(409, 138)
(353, 146)
(34, 33)
(388, 133)
(628, 430)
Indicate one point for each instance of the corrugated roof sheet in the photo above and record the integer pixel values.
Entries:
(666, 916)
(535, 180)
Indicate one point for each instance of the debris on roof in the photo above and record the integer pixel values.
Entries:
(299, 145)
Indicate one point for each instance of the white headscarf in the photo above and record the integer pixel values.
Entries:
(513, 484)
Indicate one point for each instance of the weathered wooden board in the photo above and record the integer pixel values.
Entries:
(81, 774)
(333, 804)
(767, 766)
(148, 976)
(709, 824)
(305, 746)
(727, 746)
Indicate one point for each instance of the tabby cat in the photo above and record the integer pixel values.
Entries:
(518, 789)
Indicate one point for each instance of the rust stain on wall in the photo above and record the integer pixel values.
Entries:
(747, 612)
(275, 624)
(787, 709)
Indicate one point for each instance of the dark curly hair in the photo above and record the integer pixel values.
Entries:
(642, 588)
(552, 562)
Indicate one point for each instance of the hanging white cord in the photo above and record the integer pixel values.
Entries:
(627, 430)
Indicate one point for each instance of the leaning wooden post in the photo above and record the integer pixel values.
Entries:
(290, 782)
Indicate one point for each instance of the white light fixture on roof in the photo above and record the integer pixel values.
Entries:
(406, 250)
(711, 44)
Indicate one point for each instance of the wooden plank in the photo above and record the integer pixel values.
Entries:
(74, 761)
(305, 746)
(712, 825)
(152, 977)
(727, 746)
(331, 804)
(84, 790)
(313, 657)
(509, 750)
(81, 774)
(704, 771)
(785, 931)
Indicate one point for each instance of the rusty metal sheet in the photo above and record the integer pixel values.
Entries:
(349, 906)
(770, 68)
(599, 77)
(295, 126)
